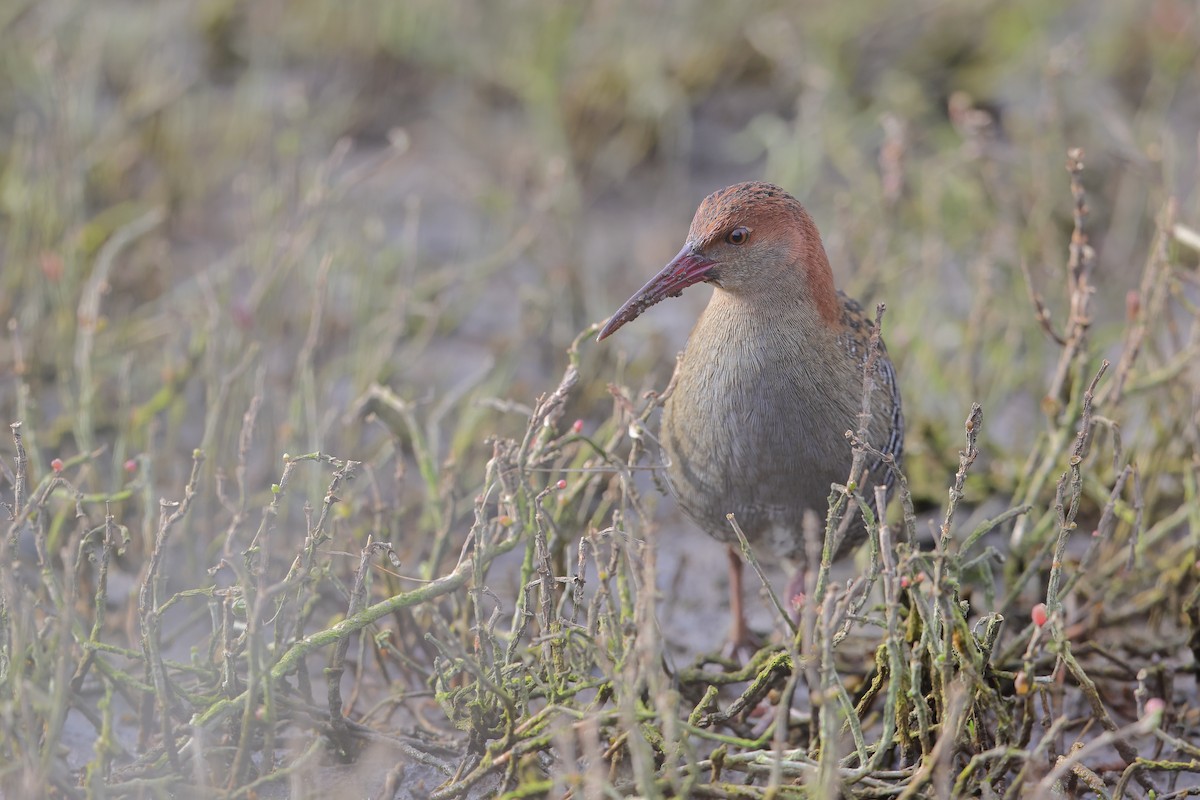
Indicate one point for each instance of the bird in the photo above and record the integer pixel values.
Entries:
(769, 382)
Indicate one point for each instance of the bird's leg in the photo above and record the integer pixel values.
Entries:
(742, 641)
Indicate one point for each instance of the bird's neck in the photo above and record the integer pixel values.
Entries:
(756, 318)
(799, 296)
(816, 282)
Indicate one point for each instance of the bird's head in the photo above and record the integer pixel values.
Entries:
(752, 240)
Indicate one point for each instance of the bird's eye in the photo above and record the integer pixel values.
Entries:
(738, 235)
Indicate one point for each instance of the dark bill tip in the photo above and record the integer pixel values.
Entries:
(685, 269)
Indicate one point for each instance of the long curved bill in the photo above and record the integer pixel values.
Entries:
(686, 268)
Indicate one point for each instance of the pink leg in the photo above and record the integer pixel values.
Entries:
(741, 639)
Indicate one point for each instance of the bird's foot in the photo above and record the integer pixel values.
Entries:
(743, 643)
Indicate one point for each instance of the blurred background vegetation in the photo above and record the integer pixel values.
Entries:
(485, 179)
(207, 202)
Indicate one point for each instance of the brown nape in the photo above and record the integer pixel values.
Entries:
(770, 212)
(771, 379)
